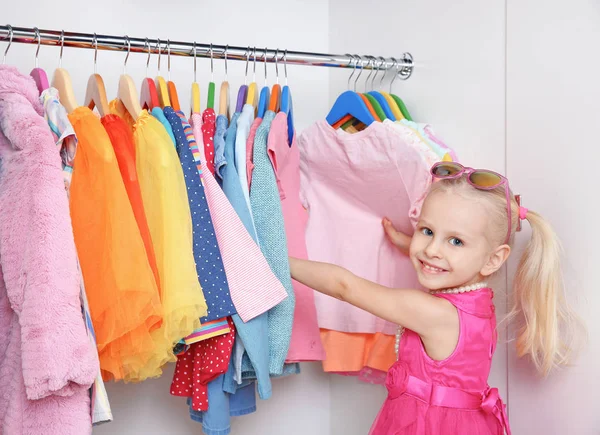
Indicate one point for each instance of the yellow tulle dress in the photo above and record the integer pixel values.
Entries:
(123, 297)
(167, 210)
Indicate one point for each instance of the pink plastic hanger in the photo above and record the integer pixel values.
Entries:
(39, 75)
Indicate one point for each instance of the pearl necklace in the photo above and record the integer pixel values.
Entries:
(456, 290)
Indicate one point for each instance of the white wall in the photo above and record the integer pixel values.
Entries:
(553, 105)
(549, 80)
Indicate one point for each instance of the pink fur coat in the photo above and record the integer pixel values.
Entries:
(47, 362)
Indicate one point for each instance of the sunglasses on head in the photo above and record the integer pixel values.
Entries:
(481, 179)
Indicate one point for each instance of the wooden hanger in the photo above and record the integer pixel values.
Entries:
(195, 97)
(224, 95)
(62, 82)
(127, 92)
(95, 94)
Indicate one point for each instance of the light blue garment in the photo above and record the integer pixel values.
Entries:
(221, 125)
(244, 123)
(158, 113)
(254, 333)
(268, 219)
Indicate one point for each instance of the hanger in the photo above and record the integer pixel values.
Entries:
(391, 102)
(161, 83)
(374, 103)
(195, 98)
(173, 97)
(243, 92)
(379, 97)
(148, 95)
(350, 103)
(253, 88)
(127, 92)
(402, 73)
(275, 100)
(10, 39)
(95, 94)
(62, 81)
(265, 93)
(38, 74)
(211, 86)
(224, 95)
(286, 102)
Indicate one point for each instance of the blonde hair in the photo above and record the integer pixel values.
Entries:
(547, 325)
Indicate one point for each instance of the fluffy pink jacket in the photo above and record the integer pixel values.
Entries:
(47, 362)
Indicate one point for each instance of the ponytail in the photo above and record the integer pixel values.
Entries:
(548, 324)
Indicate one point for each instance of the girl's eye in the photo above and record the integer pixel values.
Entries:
(456, 242)
(426, 231)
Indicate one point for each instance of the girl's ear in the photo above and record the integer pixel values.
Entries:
(497, 258)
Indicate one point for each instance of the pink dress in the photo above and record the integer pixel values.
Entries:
(449, 397)
(305, 344)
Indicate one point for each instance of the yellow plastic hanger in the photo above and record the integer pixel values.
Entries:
(161, 84)
(62, 81)
(95, 94)
(252, 97)
(195, 88)
(224, 94)
(127, 92)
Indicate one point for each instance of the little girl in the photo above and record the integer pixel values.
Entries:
(448, 335)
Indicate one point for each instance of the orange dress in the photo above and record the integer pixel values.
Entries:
(121, 289)
(121, 138)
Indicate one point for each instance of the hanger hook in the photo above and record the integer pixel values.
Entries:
(62, 46)
(226, 51)
(95, 42)
(285, 66)
(212, 68)
(194, 49)
(147, 45)
(360, 72)
(128, 42)
(254, 67)
(10, 38)
(265, 59)
(276, 66)
(159, 52)
(377, 69)
(369, 64)
(248, 51)
(38, 37)
(351, 56)
(168, 60)
(394, 66)
(383, 61)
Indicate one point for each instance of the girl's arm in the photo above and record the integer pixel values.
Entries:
(417, 310)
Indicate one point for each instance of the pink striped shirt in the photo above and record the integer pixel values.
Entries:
(253, 286)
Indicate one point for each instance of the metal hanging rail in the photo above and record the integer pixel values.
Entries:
(31, 35)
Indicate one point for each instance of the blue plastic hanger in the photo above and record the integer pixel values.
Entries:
(384, 104)
(378, 97)
(265, 93)
(286, 103)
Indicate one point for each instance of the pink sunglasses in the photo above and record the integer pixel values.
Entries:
(481, 179)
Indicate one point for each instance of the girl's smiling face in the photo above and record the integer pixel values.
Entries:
(451, 247)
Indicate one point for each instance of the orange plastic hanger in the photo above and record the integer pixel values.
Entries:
(95, 94)
(275, 101)
(62, 82)
(172, 90)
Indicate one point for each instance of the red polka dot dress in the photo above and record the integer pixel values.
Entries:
(201, 363)
(208, 137)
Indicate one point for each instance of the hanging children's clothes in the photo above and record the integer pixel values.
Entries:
(158, 113)
(250, 150)
(66, 140)
(117, 107)
(305, 344)
(244, 123)
(47, 362)
(209, 263)
(124, 300)
(208, 137)
(267, 213)
(450, 396)
(121, 137)
(166, 201)
(253, 334)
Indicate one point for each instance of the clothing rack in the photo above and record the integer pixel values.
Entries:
(32, 35)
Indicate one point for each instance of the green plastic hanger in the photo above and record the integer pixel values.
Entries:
(378, 109)
(402, 106)
(211, 86)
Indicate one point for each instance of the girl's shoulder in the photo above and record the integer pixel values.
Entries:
(478, 303)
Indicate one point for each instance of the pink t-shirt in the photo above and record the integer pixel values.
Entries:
(349, 182)
(305, 344)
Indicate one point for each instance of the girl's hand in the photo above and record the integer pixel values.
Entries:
(400, 240)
